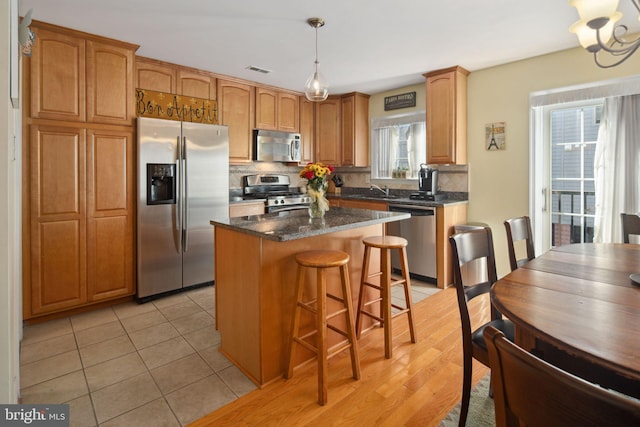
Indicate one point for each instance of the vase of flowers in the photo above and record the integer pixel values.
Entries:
(317, 176)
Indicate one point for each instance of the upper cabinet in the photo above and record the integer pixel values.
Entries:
(447, 116)
(196, 84)
(307, 128)
(78, 78)
(355, 129)
(236, 109)
(328, 131)
(170, 78)
(277, 110)
(155, 75)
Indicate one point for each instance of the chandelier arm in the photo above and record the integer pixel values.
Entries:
(624, 45)
(636, 3)
(630, 51)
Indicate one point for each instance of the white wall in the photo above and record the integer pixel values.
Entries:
(499, 180)
(10, 307)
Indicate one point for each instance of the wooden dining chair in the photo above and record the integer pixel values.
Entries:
(467, 247)
(630, 226)
(519, 229)
(529, 391)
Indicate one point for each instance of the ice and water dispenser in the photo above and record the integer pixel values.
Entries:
(161, 183)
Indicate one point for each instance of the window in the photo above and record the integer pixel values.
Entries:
(574, 133)
(398, 146)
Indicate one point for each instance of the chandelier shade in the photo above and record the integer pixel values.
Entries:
(316, 88)
(599, 33)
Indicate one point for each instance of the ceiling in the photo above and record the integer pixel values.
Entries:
(366, 45)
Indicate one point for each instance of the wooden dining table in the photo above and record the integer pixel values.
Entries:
(575, 306)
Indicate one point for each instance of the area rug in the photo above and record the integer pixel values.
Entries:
(480, 408)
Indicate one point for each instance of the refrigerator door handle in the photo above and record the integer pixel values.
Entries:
(177, 230)
(185, 174)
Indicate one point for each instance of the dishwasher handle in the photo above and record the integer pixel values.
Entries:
(413, 210)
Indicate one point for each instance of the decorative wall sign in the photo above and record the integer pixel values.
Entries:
(175, 107)
(404, 100)
(494, 136)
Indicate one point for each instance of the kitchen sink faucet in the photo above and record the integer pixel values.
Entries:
(384, 190)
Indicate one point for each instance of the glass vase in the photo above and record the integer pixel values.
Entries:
(319, 204)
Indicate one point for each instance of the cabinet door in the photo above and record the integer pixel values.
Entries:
(57, 217)
(58, 76)
(307, 128)
(446, 117)
(440, 118)
(288, 112)
(109, 83)
(266, 109)
(199, 85)
(152, 75)
(236, 109)
(110, 216)
(328, 131)
(363, 204)
(355, 130)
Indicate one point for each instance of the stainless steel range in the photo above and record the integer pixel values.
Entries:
(276, 189)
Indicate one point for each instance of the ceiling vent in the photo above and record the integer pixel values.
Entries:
(258, 69)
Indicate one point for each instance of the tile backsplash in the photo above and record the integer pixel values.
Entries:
(452, 178)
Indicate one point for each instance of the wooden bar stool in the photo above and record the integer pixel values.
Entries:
(384, 286)
(321, 260)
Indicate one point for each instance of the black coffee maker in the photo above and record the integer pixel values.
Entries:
(428, 180)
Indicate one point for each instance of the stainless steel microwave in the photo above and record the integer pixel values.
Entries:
(274, 146)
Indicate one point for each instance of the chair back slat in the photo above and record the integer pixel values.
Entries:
(529, 391)
(630, 226)
(519, 229)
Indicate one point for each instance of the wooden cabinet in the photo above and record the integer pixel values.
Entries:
(328, 131)
(236, 109)
(277, 110)
(81, 218)
(447, 116)
(245, 209)
(363, 204)
(78, 79)
(307, 130)
(196, 84)
(355, 129)
(110, 215)
(447, 217)
(155, 75)
(109, 83)
(57, 219)
(78, 171)
(58, 79)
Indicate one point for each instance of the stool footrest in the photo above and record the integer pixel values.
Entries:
(373, 316)
(373, 285)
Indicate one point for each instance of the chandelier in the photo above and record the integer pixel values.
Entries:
(598, 33)
(316, 88)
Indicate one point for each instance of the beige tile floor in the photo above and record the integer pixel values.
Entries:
(155, 364)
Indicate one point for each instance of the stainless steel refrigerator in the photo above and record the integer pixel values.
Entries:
(183, 182)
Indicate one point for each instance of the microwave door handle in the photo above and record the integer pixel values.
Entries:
(292, 150)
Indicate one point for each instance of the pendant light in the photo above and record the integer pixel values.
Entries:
(599, 33)
(316, 88)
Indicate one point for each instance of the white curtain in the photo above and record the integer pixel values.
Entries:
(617, 166)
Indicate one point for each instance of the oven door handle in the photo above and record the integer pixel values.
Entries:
(289, 208)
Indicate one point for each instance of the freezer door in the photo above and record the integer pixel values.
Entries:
(159, 232)
(206, 194)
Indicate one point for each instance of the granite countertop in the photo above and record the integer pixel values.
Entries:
(398, 199)
(296, 224)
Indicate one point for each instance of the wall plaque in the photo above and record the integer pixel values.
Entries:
(404, 100)
(175, 107)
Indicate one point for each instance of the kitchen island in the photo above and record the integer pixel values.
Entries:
(255, 276)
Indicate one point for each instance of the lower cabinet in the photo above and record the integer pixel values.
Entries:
(79, 217)
(363, 204)
(246, 209)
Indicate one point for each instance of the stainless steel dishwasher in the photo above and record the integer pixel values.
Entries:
(420, 232)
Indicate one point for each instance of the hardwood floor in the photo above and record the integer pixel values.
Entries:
(418, 386)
